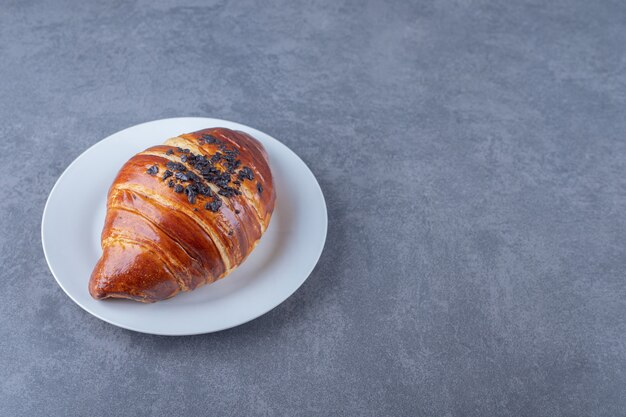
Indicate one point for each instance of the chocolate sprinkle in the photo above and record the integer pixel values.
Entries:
(205, 190)
(209, 139)
(215, 157)
(222, 169)
(192, 176)
(192, 192)
(181, 176)
(229, 192)
(214, 205)
(246, 174)
(176, 166)
(191, 188)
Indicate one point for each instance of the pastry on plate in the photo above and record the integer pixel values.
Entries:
(183, 214)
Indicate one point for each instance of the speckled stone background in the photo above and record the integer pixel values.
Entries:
(473, 158)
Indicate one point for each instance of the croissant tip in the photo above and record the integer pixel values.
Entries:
(101, 294)
(97, 292)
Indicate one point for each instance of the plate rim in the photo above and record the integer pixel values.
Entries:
(318, 190)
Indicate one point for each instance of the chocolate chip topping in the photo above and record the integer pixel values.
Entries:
(214, 205)
(195, 172)
(246, 174)
(208, 139)
(153, 170)
(181, 176)
(176, 166)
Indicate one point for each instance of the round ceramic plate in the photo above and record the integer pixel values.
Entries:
(281, 262)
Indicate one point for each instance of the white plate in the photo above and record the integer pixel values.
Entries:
(282, 261)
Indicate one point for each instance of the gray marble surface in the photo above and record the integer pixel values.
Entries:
(473, 158)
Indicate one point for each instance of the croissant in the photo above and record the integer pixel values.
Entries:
(183, 214)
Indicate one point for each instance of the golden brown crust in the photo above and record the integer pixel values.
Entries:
(183, 214)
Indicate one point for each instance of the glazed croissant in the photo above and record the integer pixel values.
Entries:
(183, 214)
